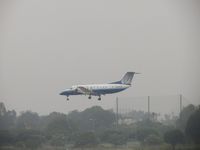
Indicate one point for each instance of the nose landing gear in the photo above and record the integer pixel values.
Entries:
(99, 98)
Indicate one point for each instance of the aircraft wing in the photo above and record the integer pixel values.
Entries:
(84, 90)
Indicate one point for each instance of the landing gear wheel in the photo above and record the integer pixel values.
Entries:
(67, 98)
(99, 98)
(89, 97)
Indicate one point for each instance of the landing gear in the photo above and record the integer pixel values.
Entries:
(89, 97)
(67, 98)
(99, 98)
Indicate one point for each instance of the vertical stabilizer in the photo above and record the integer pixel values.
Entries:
(127, 79)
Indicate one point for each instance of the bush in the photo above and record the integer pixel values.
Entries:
(153, 140)
(86, 139)
(143, 133)
(6, 137)
(174, 137)
(29, 138)
(114, 137)
(58, 140)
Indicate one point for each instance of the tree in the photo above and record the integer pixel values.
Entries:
(2, 109)
(185, 115)
(28, 120)
(174, 137)
(7, 118)
(46, 120)
(61, 129)
(193, 126)
(93, 119)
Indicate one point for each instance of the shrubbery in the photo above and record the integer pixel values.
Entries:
(86, 139)
(153, 140)
(90, 127)
(114, 137)
(174, 137)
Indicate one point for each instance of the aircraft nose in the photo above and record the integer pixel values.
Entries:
(66, 92)
(62, 93)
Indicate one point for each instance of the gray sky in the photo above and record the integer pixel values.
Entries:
(47, 46)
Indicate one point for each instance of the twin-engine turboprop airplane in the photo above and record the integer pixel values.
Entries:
(100, 89)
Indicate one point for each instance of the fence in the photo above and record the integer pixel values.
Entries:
(168, 104)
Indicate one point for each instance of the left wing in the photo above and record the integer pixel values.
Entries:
(84, 90)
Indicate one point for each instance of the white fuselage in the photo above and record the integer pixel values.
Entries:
(102, 86)
(95, 89)
(100, 89)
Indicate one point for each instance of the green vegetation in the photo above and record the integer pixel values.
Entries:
(96, 128)
(174, 137)
(193, 127)
(86, 139)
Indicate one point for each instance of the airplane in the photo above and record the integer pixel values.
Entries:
(100, 89)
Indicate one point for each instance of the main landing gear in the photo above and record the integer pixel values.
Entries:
(99, 98)
(91, 97)
(67, 98)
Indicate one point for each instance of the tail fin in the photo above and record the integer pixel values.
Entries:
(127, 79)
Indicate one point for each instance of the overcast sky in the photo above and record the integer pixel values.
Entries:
(49, 45)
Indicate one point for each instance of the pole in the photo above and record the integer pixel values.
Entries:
(181, 97)
(117, 111)
(149, 107)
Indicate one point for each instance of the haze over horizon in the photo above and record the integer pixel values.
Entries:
(48, 46)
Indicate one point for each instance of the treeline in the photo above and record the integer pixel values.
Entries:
(95, 126)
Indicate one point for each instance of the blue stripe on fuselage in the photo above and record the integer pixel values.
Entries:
(94, 91)
(107, 91)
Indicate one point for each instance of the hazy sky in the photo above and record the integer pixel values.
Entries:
(49, 45)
